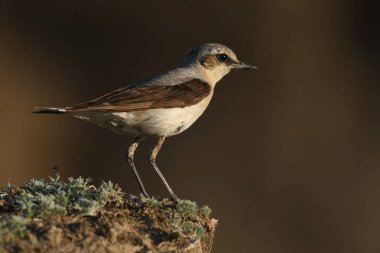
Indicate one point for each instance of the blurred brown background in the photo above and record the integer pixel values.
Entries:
(287, 157)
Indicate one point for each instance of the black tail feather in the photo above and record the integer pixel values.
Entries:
(50, 110)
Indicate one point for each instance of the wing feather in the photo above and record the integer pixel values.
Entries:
(143, 97)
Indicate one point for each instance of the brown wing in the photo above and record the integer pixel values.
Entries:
(136, 98)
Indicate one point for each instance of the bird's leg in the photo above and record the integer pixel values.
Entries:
(152, 159)
(131, 152)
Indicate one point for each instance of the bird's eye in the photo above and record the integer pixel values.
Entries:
(222, 57)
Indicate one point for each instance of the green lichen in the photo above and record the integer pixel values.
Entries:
(205, 212)
(41, 199)
(184, 217)
(12, 227)
(31, 210)
(149, 201)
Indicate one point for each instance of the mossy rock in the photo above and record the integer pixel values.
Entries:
(75, 216)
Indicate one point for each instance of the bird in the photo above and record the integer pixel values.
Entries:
(159, 107)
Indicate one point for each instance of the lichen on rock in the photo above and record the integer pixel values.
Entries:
(75, 216)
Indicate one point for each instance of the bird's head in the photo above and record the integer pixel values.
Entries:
(216, 59)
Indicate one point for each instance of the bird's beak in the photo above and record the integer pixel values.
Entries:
(241, 65)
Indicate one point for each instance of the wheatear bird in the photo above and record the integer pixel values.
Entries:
(160, 107)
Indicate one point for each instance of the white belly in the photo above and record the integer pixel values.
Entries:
(154, 122)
